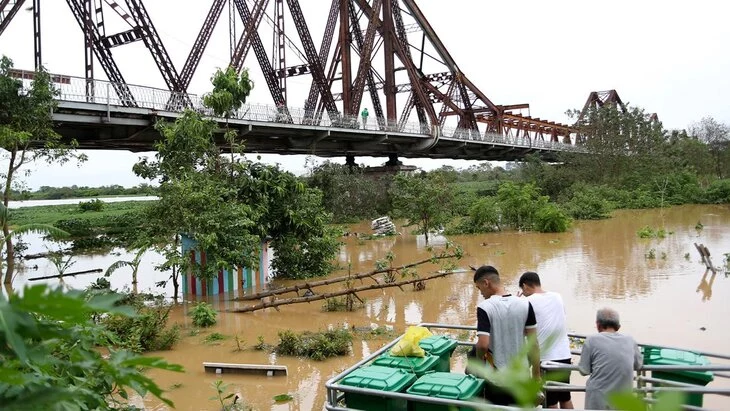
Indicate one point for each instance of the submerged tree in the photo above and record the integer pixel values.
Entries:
(229, 206)
(424, 200)
(26, 134)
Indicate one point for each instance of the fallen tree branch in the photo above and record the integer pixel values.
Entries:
(96, 270)
(310, 285)
(296, 300)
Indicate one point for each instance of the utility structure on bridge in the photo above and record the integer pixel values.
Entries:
(384, 47)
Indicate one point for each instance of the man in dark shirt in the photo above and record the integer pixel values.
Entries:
(503, 322)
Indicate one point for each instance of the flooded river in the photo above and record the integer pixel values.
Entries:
(665, 299)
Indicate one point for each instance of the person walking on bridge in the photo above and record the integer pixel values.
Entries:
(552, 334)
(364, 115)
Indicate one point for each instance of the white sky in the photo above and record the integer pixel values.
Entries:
(669, 57)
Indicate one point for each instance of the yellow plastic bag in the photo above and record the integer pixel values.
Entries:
(408, 345)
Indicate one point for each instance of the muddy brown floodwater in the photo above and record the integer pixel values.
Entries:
(664, 300)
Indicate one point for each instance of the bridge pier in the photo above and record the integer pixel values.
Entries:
(350, 161)
(393, 161)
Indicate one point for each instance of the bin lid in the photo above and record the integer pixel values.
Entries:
(437, 344)
(666, 356)
(379, 378)
(417, 365)
(447, 385)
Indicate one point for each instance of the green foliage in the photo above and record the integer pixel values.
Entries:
(666, 401)
(348, 193)
(228, 207)
(230, 91)
(649, 232)
(26, 133)
(718, 192)
(424, 200)
(519, 204)
(551, 219)
(317, 346)
(92, 205)
(587, 203)
(147, 330)
(283, 398)
(214, 338)
(50, 358)
(483, 217)
(203, 314)
(228, 402)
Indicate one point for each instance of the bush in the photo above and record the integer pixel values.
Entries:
(718, 192)
(147, 331)
(203, 315)
(92, 205)
(551, 219)
(317, 346)
(588, 204)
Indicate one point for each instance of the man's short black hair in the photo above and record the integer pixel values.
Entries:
(484, 271)
(530, 278)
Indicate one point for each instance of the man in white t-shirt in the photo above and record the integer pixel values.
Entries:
(552, 333)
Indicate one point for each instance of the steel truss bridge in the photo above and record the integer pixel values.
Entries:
(422, 104)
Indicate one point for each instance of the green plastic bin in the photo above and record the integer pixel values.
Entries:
(445, 385)
(665, 356)
(442, 347)
(376, 377)
(416, 365)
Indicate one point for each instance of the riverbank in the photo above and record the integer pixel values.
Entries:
(52, 214)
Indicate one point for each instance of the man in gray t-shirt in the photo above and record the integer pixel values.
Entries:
(610, 358)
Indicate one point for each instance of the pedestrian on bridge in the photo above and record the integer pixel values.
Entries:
(364, 115)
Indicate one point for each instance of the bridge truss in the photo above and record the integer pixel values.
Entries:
(381, 54)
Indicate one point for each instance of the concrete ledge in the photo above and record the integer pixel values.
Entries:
(259, 369)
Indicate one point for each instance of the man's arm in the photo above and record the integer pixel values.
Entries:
(484, 327)
(584, 365)
(531, 334)
(638, 358)
(534, 354)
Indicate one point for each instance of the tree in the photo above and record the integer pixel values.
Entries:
(134, 265)
(26, 133)
(717, 137)
(228, 207)
(230, 91)
(424, 200)
(621, 144)
(348, 193)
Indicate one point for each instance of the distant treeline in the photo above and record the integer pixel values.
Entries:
(56, 193)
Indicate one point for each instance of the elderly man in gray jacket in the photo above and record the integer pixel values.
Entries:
(610, 358)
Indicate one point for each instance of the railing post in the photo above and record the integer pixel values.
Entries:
(108, 108)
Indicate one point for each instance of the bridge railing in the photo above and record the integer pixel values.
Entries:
(77, 89)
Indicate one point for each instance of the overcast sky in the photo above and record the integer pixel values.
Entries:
(668, 57)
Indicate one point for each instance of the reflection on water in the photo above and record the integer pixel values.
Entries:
(597, 263)
(706, 286)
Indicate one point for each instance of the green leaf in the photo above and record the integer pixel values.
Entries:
(283, 398)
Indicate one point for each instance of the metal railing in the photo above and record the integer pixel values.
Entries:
(336, 392)
(77, 89)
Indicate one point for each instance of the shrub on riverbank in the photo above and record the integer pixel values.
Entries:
(147, 330)
(315, 345)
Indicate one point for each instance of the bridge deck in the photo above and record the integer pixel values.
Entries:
(104, 121)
